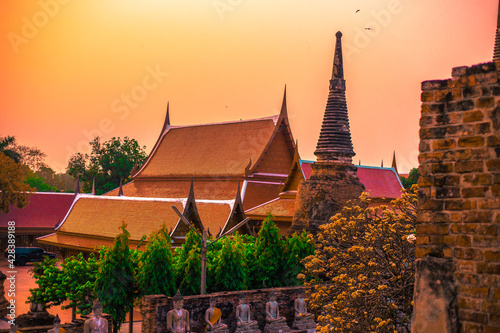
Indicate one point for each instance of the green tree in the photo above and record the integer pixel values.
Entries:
(187, 265)
(268, 256)
(108, 163)
(79, 280)
(38, 183)
(297, 247)
(411, 180)
(115, 279)
(231, 272)
(156, 274)
(366, 257)
(213, 254)
(12, 187)
(62, 182)
(49, 279)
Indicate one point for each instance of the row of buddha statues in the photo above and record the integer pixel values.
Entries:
(178, 317)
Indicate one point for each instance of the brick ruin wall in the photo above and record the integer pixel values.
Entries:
(155, 307)
(457, 284)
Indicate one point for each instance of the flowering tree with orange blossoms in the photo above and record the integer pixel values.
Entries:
(363, 268)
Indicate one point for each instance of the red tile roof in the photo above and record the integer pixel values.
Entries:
(281, 208)
(98, 216)
(43, 211)
(257, 193)
(379, 182)
(211, 188)
(94, 221)
(223, 149)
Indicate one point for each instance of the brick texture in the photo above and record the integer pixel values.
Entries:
(459, 194)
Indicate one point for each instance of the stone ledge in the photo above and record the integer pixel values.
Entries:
(486, 67)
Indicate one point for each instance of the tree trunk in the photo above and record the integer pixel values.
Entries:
(131, 320)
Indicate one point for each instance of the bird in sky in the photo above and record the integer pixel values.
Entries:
(357, 11)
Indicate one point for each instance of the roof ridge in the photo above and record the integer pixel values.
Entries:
(63, 193)
(262, 204)
(125, 198)
(274, 118)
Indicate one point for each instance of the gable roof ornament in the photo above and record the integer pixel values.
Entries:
(77, 189)
(120, 191)
(237, 215)
(166, 123)
(281, 124)
(394, 165)
(190, 212)
(284, 110)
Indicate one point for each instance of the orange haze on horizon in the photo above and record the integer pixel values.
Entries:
(75, 69)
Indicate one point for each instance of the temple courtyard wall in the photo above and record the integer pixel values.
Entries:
(457, 285)
(155, 308)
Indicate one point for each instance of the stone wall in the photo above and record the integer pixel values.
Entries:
(458, 242)
(155, 308)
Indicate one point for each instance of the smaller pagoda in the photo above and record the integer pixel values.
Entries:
(333, 180)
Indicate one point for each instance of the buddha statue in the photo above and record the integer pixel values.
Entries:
(303, 319)
(243, 316)
(96, 324)
(178, 318)
(57, 326)
(274, 322)
(272, 310)
(213, 318)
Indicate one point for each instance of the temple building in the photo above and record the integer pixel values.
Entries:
(211, 173)
(218, 174)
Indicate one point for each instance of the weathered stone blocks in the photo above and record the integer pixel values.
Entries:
(459, 201)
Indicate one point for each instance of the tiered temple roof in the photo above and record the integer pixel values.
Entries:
(93, 221)
(230, 166)
(258, 151)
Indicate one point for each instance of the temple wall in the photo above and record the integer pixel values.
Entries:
(278, 158)
(457, 285)
(155, 308)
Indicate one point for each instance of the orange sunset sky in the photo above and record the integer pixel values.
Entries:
(73, 69)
